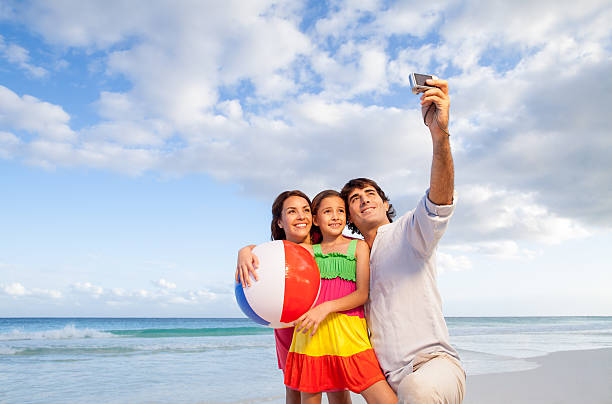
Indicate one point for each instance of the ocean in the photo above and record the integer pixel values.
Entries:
(225, 360)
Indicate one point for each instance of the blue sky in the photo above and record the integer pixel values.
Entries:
(141, 144)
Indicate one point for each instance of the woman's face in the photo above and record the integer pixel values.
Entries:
(296, 219)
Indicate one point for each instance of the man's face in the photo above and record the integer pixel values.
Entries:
(367, 209)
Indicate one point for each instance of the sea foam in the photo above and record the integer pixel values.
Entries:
(68, 332)
(8, 350)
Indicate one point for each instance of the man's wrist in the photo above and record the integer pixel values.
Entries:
(437, 130)
(445, 131)
(440, 139)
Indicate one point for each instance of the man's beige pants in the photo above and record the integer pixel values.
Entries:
(436, 378)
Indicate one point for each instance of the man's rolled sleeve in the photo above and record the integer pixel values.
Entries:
(439, 210)
(429, 221)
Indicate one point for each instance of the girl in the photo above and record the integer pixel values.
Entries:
(330, 350)
(292, 221)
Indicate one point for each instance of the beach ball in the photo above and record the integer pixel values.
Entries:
(288, 285)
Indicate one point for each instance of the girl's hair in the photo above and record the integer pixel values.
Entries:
(277, 212)
(316, 203)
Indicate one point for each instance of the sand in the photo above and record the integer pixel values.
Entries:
(583, 377)
(576, 377)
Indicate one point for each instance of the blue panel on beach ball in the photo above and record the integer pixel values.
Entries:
(245, 307)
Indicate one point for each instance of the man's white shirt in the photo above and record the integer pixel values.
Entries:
(404, 312)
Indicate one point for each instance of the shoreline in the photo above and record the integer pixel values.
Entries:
(563, 377)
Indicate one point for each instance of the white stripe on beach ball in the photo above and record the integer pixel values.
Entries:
(266, 297)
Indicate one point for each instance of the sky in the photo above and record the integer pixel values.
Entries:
(142, 144)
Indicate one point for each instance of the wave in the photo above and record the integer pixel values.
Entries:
(478, 363)
(191, 332)
(8, 351)
(68, 332)
(71, 332)
(62, 350)
(83, 352)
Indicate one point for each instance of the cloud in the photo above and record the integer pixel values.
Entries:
(88, 288)
(94, 153)
(86, 298)
(455, 263)
(19, 56)
(503, 249)
(91, 25)
(251, 93)
(29, 114)
(164, 284)
(14, 289)
(55, 294)
(9, 145)
(491, 213)
(531, 132)
(82, 293)
(354, 69)
(17, 290)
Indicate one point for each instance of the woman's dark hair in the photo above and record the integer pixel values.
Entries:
(316, 203)
(361, 183)
(277, 212)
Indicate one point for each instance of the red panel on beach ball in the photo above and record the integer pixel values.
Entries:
(302, 282)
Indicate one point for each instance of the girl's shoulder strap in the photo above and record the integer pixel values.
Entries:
(316, 248)
(352, 248)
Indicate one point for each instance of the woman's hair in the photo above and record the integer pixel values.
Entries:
(361, 183)
(277, 212)
(316, 203)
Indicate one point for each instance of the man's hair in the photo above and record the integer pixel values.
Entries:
(277, 212)
(361, 183)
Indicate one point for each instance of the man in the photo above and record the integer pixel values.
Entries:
(404, 313)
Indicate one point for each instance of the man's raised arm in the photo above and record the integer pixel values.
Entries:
(435, 108)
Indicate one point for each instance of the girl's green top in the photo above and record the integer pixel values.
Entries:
(337, 265)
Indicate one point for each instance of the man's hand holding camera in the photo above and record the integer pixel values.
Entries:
(435, 104)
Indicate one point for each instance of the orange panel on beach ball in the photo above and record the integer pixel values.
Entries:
(288, 285)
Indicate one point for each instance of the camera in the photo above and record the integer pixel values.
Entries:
(417, 82)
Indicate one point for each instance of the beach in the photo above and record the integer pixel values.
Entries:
(190, 360)
(569, 377)
(562, 377)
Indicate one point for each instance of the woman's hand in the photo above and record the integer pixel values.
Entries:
(247, 263)
(312, 319)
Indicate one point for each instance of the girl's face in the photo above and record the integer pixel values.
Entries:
(296, 219)
(331, 216)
